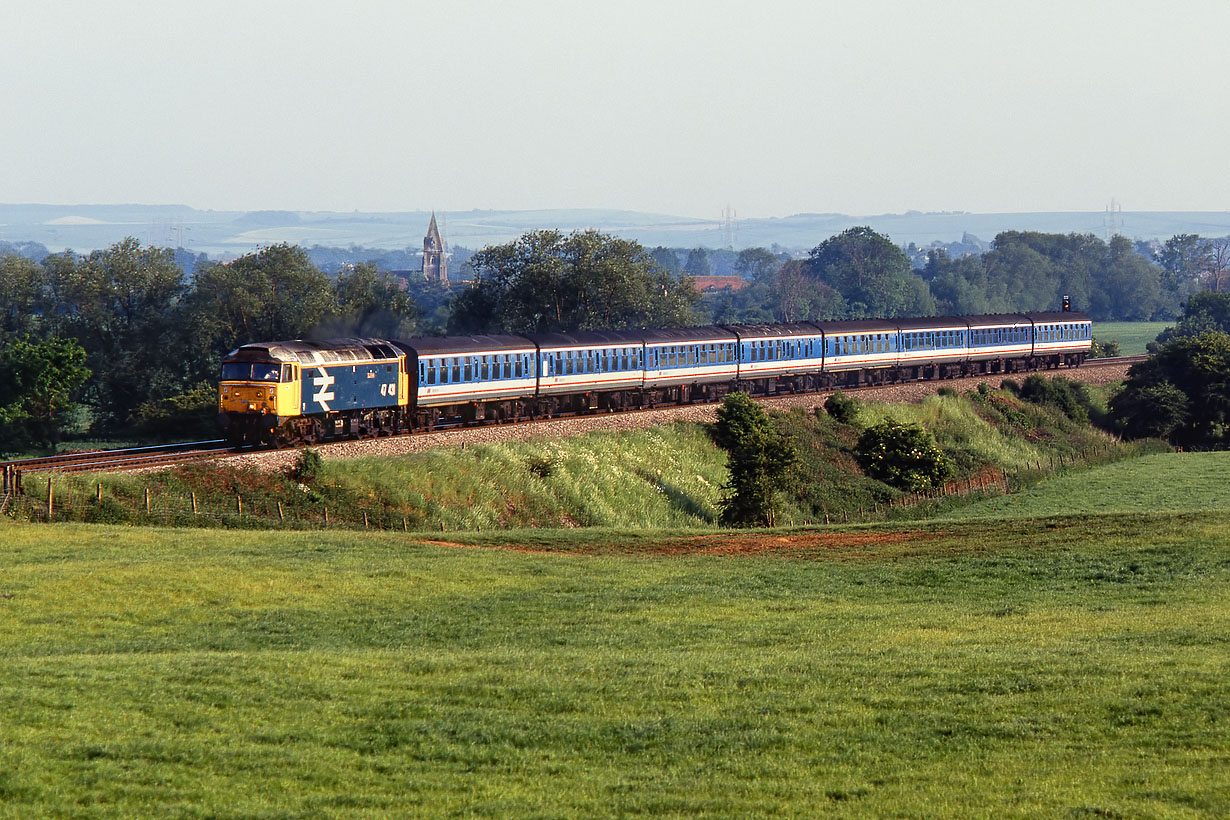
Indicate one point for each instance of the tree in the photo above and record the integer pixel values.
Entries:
(1182, 258)
(546, 281)
(1217, 264)
(1205, 311)
(698, 263)
(666, 259)
(23, 301)
(1182, 391)
(40, 380)
(370, 303)
(122, 305)
(960, 286)
(871, 274)
(762, 462)
(903, 455)
(1127, 286)
(274, 293)
(757, 264)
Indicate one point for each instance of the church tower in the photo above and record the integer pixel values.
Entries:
(435, 263)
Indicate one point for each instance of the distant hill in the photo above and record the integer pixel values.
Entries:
(232, 233)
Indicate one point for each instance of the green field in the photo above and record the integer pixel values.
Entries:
(1131, 336)
(1071, 667)
(1178, 482)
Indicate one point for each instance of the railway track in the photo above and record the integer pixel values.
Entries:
(137, 458)
(130, 458)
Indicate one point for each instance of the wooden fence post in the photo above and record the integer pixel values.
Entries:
(147, 500)
(194, 502)
(239, 505)
(326, 515)
(98, 492)
(281, 515)
(50, 499)
(365, 519)
(403, 524)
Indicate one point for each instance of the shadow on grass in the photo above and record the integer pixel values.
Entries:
(679, 498)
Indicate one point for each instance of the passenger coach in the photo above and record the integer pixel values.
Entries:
(303, 391)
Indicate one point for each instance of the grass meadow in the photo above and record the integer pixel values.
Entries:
(1187, 482)
(1069, 667)
(1131, 336)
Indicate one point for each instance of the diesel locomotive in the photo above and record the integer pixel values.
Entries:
(292, 392)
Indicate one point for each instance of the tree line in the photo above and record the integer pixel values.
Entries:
(138, 342)
(128, 334)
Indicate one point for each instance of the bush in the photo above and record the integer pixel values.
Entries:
(1099, 349)
(762, 461)
(1181, 392)
(107, 511)
(1069, 397)
(903, 455)
(308, 465)
(189, 414)
(843, 408)
(543, 466)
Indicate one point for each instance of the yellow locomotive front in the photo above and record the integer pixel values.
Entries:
(255, 398)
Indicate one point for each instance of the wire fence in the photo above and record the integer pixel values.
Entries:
(58, 502)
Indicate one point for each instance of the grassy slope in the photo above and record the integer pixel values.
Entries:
(670, 476)
(1059, 667)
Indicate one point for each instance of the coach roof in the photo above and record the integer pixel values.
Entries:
(463, 345)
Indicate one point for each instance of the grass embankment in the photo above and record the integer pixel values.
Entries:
(1046, 668)
(669, 476)
(1131, 336)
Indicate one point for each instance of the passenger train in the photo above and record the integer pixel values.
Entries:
(283, 393)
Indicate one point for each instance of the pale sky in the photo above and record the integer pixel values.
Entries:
(859, 107)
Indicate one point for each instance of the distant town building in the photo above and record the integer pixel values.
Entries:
(435, 262)
(709, 284)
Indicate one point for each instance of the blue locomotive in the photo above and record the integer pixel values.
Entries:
(282, 393)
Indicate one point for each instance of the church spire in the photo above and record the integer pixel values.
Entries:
(435, 263)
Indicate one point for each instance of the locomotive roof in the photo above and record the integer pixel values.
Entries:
(463, 345)
(588, 338)
(314, 351)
